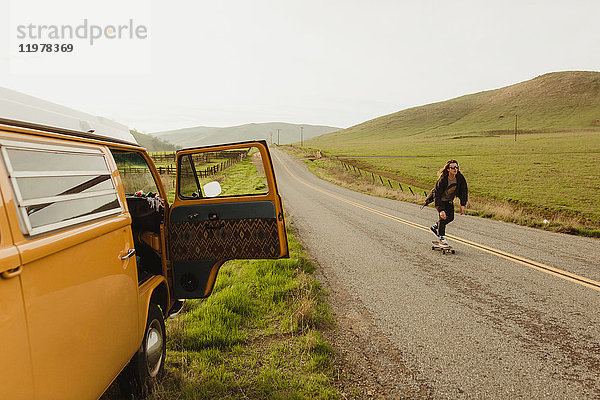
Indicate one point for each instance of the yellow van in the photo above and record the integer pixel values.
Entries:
(92, 255)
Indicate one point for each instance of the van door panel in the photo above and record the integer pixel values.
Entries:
(206, 232)
(83, 315)
(220, 231)
(15, 362)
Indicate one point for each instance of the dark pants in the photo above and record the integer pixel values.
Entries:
(447, 206)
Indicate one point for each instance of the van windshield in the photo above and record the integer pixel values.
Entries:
(135, 172)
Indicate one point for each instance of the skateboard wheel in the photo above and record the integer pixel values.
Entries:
(432, 247)
(453, 252)
(443, 251)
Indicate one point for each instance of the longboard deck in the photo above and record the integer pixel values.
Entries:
(444, 250)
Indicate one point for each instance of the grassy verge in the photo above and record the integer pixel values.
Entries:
(566, 207)
(258, 336)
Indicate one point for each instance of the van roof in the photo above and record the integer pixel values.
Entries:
(19, 107)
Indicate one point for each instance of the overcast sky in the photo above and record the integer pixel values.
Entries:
(339, 63)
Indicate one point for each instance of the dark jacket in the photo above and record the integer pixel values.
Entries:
(462, 192)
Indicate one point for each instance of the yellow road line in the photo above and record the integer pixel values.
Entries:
(569, 276)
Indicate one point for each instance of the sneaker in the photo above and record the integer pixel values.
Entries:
(433, 228)
(443, 242)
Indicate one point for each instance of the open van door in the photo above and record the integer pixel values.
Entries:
(226, 207)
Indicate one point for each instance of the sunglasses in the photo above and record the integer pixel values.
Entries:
(456, 167)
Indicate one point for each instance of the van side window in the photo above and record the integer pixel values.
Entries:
(135, 173)
(58, 186)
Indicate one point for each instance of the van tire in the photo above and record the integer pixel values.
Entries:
(147, 365)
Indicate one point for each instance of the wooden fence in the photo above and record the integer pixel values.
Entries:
(231, 157)
(200, 158)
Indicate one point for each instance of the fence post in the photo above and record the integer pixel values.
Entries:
(381, 179)
(400, 186)
(411, 192)
(390, 183)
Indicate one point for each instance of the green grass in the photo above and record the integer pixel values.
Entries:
(257, 336)
(541, 176)
(241, 178)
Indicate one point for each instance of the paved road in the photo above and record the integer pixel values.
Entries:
(488, 322)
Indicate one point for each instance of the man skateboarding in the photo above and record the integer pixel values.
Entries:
(451, 184)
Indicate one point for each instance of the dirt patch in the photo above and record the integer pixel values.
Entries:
(256, 160)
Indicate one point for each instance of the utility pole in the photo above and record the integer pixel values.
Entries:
(271, 137)
(278, 136)
(301, 136)
(515, 127)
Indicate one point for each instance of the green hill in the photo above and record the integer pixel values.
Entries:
(152, 143)
(550, 170)
(552, 102)
(203, 135)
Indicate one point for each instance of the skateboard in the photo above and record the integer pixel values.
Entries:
(436, 246)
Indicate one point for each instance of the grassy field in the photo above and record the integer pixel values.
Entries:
(552, 176)
(259, 335)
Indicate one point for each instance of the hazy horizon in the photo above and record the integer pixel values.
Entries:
(337, 63)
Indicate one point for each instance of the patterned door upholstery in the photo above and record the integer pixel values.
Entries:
(224, 239)
(224, 231)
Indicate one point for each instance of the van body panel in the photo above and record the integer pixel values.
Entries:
(15, 363)
(145, 292)
(8, 252)
(46, 245)
(94, 293)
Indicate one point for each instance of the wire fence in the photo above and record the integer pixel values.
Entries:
(374, 177)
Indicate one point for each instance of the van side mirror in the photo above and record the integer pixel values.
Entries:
(212, 189)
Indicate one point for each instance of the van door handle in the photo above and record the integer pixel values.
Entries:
(129, 254)
(215, 225)
(11, 273)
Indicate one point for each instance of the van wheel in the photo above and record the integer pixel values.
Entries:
(147, 365)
